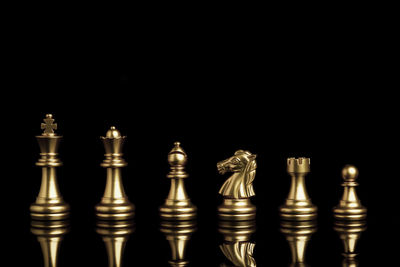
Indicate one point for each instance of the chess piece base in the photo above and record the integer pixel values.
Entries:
(178, 210)
(298, 211)
(112, 211)
(344, 213)
(237, 210)
(59, 211)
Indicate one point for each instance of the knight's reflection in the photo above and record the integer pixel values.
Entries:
(350, 232)
(237, 243)
(298, 235)
(50, 234)
(115, 234)
(178, 234)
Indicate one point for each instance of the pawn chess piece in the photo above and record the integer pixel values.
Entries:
(298, 205)
(49, 204)
(177, 206)
(238, 188)
(114, 204)
(350, 207)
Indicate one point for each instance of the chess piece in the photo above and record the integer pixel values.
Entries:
(350, 232)
(114, 204)
(178, 234)
(49, 203)
(298, 205)
(350, 207)
(177, 206)
(50, 235)
(237, 245)
(298, 235)
(238, 188)
(115, 235)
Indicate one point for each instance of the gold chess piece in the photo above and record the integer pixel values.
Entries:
(178, 234)
(114, 204)
(298, 205)
(50, 235)
(298, 235)
(350, 207)
(177, 206)
(237, 246)
(115, 235)
(49, 203)
(238, 188)
(350, 232)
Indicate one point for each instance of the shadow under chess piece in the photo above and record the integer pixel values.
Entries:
(237, 246)
(350, 233)
(114, 204)
(49, 203)
(298, 234)
(177, 206)
(115, 234)
(350, 207)
(50, 234)
(178, 234)
(298, 205)
(238, 188)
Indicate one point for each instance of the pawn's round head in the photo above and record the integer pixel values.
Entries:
(177, 157)
(113, 133)
(349, 173)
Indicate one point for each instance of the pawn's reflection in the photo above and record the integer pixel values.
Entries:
(178, 234)
(237, 246)
(50, 234)
(115, 234)
(350, 233)
(298, 234)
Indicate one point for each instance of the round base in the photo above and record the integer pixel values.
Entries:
(115, 212)
(58, 211)
(237, 210)
(298, 213)
(178, 212)
(350, 214)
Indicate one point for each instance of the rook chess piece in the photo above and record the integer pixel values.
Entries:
(350, 207)
(298, 205)
(49, 204)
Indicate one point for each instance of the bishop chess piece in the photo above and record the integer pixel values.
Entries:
(350, 207)
(298, 205)
(49, 203)
(177, 206)
(238, 188)
(114, 204)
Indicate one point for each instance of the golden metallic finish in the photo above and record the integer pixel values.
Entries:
(350, 207)
(49, 203)
(178, 234)
(237, 246)
(238, 188)
(115, 235)
(298, 234)
(114, 204)
(298, 205)
(177, 206)
(50, 234)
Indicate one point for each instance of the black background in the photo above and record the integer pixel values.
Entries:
(284, 90)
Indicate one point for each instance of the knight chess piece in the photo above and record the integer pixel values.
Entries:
(238, 188)
(298, 205)
(49, 203)
(114, 204)
(177, 206)
(350, 207)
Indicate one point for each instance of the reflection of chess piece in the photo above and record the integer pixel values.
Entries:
(238, 188)
(178, 234)
(298, 234)
(115, 234)
(349, 233)
(237, 246)
(177, 206)
(49, 204)
(114, 204)
(50, 234)
(349, 207)
(298, 205)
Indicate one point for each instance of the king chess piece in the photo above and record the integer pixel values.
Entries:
(177, 206)
(298, 205)
(49, 203)
(114, 204)
(350, 207)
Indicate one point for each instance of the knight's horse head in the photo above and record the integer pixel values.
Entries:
(236, 163)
